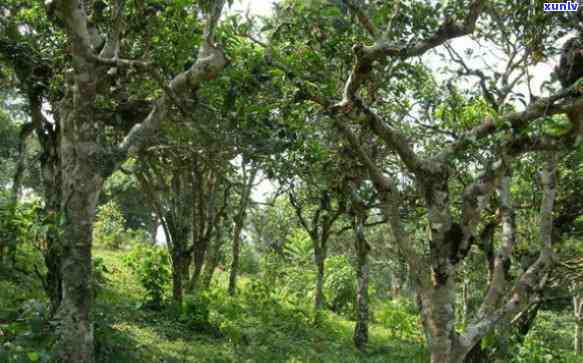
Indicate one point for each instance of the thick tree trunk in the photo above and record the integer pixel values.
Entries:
(81, 189)
(360, 336)
(177, 279)
(439, 323)
(84, 164)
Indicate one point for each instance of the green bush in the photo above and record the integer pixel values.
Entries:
(27, 338)
(403, 324)
(109, 229)
(340, 285)
(152, 267)
(196, 311)
(99, 274)
(248, 261)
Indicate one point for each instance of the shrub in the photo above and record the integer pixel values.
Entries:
(340, 285)
(151, 265)
(248, 262)
(196, 311)
(403, 323)
(99, 274)
(109, 229)
(27, 338)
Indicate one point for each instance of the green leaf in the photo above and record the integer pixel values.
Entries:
(33, 356)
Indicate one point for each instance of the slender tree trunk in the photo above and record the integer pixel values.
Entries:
(239, 223)
(198, 259)
(578, 307)
(401, 275)
(54, 278)
(53, 252)
(579, 338)
(177, 279)
(213, 258)
(180, 260)
(465, 295)
(235, 261)
(360, 336)
(154, 232)
(319, 259)
(209, 270)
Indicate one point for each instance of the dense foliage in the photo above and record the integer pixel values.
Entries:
(336, 181)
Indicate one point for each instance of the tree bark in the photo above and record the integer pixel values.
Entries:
(235, 261)
(578, 307)
(360, 336)
(248, 181)
(213, 257)
(200, 249)
(178, 272)
(81, 188)
(319, 260)
(579, 337)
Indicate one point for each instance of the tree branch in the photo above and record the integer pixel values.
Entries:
(381, 49)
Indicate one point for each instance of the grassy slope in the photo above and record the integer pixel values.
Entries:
(275, 332)
(129, 334)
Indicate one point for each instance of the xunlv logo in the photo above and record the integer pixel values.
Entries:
(568, 6)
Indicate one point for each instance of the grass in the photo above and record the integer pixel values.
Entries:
(126, 333)
(256, 326)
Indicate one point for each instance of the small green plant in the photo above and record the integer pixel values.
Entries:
(151, 265)
(99, 274)
(404, 324)
(196, 311)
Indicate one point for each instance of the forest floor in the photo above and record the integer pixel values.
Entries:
(130, 334)
(257, 325)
